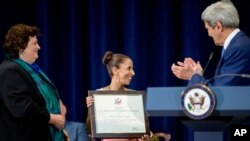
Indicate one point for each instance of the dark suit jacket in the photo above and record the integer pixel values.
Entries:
(235, 60)
(23, 113)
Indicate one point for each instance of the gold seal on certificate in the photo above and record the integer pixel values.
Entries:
(118, 114)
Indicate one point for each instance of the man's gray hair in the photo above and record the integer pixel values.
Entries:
(222, 11)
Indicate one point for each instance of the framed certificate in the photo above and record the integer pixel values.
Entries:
(118, 114)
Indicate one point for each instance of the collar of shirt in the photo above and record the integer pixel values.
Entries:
(230, 37)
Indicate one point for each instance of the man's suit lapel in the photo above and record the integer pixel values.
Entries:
(218, 69)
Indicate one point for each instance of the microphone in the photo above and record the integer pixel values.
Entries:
(226, 75)
(208, 62)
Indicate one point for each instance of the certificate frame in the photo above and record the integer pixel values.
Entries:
(118, 114)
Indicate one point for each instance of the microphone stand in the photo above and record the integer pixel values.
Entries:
(226, 75)
(208, 62)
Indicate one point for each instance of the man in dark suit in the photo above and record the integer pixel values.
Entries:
(221, 20)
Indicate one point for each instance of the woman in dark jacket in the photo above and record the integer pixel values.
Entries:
(29, 103)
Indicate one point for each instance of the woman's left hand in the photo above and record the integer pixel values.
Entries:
(146, 137)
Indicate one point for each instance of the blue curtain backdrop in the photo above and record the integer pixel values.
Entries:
(154, 33)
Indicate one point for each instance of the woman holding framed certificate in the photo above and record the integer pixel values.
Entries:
(121, 72)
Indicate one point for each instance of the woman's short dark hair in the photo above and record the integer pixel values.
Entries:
(17, 38)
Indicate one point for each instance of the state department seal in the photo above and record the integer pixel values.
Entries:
(197, 101)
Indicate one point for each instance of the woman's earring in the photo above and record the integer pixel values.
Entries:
(20, 54)
(117, 78)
